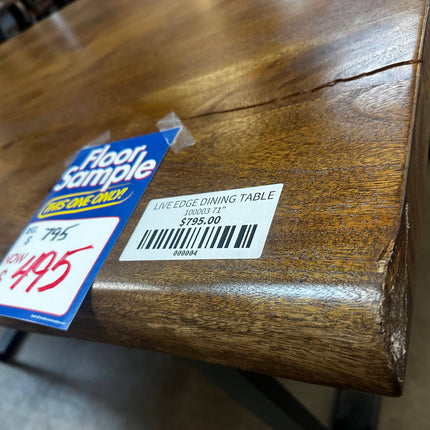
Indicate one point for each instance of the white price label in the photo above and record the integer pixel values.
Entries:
(45, 269)
(218, 225)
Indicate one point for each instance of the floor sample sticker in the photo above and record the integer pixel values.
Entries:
(47, 272)
(217, 225)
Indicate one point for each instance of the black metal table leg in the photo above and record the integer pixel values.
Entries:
(9, 343)
(262, 395)
(265, 397)
(356, 411)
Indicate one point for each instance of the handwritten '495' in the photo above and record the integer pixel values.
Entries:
(41, 265)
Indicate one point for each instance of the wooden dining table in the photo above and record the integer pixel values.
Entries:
(327, 98)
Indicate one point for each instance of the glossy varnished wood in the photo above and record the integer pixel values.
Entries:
(326, 97)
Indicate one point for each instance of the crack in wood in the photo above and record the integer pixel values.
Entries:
(310, 91)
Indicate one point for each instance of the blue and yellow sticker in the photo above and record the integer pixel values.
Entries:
(48, 271)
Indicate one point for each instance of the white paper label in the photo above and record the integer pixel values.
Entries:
(218, 225)
(47, 265)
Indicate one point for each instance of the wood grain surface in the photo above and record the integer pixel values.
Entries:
(326, 97)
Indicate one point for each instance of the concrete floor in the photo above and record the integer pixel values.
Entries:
(57, 383)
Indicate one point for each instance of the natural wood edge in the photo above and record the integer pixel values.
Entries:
(399, 284)
(394, 307)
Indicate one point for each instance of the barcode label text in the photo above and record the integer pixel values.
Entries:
(219, 225)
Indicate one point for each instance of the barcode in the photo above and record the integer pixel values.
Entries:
(199, 237)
